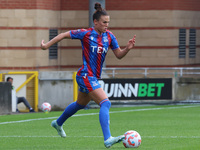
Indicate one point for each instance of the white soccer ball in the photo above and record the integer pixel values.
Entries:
(132, 139)
(46, 107)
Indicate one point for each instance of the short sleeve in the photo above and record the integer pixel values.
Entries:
(78, 34)
(113, 43)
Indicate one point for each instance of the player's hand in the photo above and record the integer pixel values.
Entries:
(43, 45)
(131, 43)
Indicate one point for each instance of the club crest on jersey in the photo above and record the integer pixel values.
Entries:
(105, 39)
(92, 38)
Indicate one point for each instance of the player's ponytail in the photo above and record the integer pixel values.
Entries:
(97, 6)
(99, 11)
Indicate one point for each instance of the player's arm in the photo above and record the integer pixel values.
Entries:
(56, 39)
(120, 53)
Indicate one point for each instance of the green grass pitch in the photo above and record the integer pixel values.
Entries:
(173, 127)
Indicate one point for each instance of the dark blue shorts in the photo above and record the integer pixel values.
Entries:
(87, 83)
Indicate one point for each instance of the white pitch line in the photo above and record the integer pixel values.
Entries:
(90, 114)
(173, 137)
(159, 108)
(151, 137)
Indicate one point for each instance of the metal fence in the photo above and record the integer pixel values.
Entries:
(151, 72)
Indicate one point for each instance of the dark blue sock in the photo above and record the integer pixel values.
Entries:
(68, 112)
(104, 118)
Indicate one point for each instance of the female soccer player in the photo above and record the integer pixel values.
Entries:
(95, 44)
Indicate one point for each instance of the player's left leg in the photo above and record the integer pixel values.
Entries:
(104, 118)
(113, 140)
(101, 98)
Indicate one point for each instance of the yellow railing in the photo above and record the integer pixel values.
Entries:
(32, 76)
(75, 87)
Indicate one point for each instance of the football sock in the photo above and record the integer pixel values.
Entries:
(68, 112)
(104, 118)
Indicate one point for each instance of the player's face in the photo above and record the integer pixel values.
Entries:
(101, 25)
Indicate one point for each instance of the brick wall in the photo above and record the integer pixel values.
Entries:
(153, 5)
(24, 23)
(30, 4)
(110, 4)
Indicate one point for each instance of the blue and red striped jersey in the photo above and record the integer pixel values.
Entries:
(94, 50)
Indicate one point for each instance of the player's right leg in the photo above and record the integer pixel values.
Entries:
(70, 110)
(59, 129)
(82, 100)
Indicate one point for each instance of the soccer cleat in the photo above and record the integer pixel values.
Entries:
(60, 130)
(112, 140)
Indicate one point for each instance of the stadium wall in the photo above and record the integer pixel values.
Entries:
(187, 89)
(56, 87)
(5, 98)
(23, 24)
